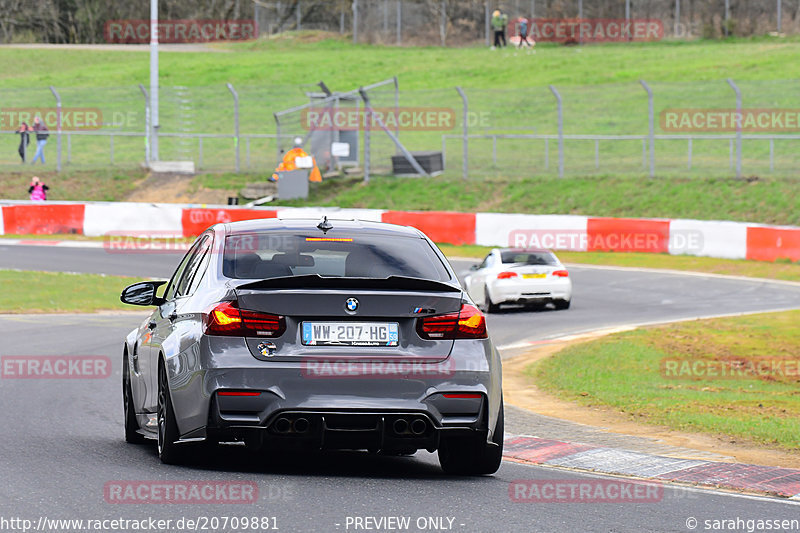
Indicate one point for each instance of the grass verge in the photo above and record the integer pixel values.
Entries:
(766, 201)
(665, 375)
(58, 292)
(732, 267)
(100, 185)
(303, 61)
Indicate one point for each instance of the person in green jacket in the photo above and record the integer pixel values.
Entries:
(499, 24)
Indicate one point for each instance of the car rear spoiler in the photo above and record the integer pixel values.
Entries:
(315, 281)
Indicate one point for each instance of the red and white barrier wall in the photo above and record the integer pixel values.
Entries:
(732, 240)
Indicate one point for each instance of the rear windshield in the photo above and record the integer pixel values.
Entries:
(275, 255)
(529, 258)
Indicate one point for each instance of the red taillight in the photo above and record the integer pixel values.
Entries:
(462, 395)
(507, 275)
(237, 393)
(228, 320)
(469, 323)
(561, 273)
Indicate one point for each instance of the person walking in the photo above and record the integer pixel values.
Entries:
(38, 190)
(499, 23)
(24, 139)
(522, 25)
(41, 138)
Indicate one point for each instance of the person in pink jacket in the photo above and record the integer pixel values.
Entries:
(38, 190)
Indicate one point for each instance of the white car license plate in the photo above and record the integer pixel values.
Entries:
(350, 333)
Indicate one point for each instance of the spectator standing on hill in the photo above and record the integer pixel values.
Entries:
(499, 23)
(24, 139)
(41, 138)
(38, 190)
(522, 25)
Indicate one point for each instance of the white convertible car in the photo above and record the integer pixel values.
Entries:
(527, 277)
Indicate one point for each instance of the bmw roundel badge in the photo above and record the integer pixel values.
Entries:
(351, 305)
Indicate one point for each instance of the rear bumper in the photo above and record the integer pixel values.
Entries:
(362, 409)
(382, 430)
(510, 291)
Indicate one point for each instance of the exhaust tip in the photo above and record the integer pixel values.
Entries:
(400, 426)
(282, 425)
(301, 425)
(418, 426)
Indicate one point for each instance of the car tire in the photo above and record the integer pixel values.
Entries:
(132, 434)
(488, 306)
(562, 304)
(167, 426)
(473, 457)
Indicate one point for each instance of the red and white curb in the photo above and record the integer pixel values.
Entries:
(783, 482)
(723, 239)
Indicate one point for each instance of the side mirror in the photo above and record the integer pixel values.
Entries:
(143, 293)
(474, 267)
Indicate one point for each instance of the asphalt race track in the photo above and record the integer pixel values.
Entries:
(62, 439)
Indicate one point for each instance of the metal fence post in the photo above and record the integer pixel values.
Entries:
(677, 18)
(58, 114)
(727, 10)
(385, 17)
(465, 156)
(779, 8)
(399, 22)
(277, 139)
(560, 131)
(235, 122)
(650, 128)
(146, 124)
(299, 17)
(443, 23)
(487, 22)
(738, 127)
(355, 21)
(397, 104)
(367, 145)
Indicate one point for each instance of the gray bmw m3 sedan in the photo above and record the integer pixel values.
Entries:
(301, 334)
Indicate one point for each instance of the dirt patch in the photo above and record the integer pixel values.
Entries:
(177, 188)
(521, 391)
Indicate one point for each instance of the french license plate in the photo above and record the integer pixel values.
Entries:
(534, 276)
(350, 333)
